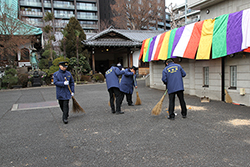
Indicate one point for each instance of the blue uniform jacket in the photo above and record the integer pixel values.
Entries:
(112, 79)
(172, 77)
(62, 91)
(128, 82)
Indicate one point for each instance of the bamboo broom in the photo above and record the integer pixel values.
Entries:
(76, 107)
(138, 100)
(157, 109)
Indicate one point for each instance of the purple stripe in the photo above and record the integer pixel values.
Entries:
(234, 32)
(151, 48)
(177, 37)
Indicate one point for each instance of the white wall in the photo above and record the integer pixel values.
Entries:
(193, 82)
(136, 58)
(242, 61)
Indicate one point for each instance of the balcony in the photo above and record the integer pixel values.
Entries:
(47, 5)
(190, 12)
(60, 25)
(27, 3)
(90, 8)
(63, 6)
(60, 15)
(30, 13)
(34, 23)
(89, 26)
(87, 17)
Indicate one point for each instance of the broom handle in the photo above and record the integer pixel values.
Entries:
(165, 92)
(135, 82)
(68, 85)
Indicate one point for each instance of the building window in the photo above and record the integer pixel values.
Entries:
(233, 77)
(205, 76)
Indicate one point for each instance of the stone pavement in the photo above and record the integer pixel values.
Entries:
(213, 134)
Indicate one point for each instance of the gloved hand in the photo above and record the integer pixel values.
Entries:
(66, 82)
(123, 69)
(72, 94)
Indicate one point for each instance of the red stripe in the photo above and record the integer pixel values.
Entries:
(142, 48)
(159, 46)
(247, 50)
(193, 43)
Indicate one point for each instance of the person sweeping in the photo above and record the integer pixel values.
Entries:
(63, 93)
(172, 77)
(113, 86)
(127, 84)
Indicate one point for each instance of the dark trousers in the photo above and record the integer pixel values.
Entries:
(64, 105)
(128, 98)
(172, 103)
(118, 98)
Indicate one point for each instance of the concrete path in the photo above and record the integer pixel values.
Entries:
(213, 134)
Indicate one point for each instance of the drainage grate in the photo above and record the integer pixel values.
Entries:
(31, 106)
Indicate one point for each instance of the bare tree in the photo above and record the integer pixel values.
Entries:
(175, 21)
(137, 14)
(13, 34)
(104, 24)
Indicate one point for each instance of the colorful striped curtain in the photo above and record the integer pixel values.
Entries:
(224, 35)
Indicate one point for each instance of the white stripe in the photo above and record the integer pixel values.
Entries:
(245, 29)
(183, 42)
(155, 46)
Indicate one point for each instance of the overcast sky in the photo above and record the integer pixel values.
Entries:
(178, 2)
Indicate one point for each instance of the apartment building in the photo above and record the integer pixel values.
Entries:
(182, 18)
(86, 11)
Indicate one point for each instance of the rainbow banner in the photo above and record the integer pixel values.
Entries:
(211, 38)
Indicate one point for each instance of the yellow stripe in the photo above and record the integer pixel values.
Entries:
(163, 54)
(145, 49)
(206, 39)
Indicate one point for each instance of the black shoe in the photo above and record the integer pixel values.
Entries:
(184, 116)
(113, 111)
(65, 121)
(131, 104)
(119, 112)
(171, 118)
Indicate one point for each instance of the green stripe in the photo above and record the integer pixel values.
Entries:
(171, 41)
(146, 56)
(219, 42)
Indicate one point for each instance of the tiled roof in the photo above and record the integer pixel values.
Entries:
(131, 37)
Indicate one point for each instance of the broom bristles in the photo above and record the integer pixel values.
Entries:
(76, 107)
(157, 109)
(138, 100)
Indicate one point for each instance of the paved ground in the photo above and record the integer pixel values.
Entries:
(213, 134)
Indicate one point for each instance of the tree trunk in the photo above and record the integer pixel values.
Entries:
(64, 48)
(77, 56)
